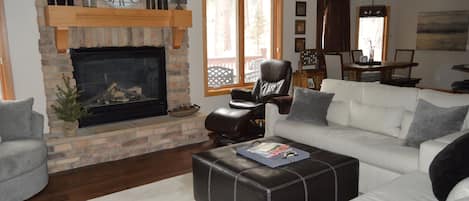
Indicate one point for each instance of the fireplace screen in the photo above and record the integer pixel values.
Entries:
(122, 83)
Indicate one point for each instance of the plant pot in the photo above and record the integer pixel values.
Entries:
(70, 128)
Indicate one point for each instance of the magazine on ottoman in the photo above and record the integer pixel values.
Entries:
(272, 154)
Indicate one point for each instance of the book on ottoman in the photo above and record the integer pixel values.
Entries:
(272, 154)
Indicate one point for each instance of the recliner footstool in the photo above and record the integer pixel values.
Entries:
(232, 125)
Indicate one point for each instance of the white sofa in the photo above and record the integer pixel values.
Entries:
(383, 157)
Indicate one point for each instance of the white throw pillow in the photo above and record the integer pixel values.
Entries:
(386, 120)
(338, 113)
(405, 126)
(460, 191)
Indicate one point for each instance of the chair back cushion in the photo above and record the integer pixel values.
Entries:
(275, 79)
(356, 54)
(275, 70)
(15, 119)
(334, 66)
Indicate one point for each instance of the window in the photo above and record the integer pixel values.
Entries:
(372, 31)
(239, 36)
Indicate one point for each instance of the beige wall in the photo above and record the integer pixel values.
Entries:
(27, 73)
(196, 44)
(23, 36)
(435, 66)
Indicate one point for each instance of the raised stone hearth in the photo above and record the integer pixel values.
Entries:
(122, 139)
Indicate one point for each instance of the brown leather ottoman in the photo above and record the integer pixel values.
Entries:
(222, 175)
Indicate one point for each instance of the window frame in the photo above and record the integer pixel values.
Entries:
(385, 32)
(6, 77)
(277, 23)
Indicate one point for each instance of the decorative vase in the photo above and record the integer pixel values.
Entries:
(70, 128)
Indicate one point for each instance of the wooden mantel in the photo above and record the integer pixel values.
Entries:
(63, 17)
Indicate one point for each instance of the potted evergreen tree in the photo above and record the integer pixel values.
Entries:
(68, 108)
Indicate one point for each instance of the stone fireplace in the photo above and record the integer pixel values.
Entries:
(120, 83)
(132, 133)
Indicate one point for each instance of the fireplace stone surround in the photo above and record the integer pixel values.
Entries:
(118, 140)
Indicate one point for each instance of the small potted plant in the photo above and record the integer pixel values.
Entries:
(68, 108)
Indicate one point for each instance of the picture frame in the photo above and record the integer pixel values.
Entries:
(300, 44)
(300, 26)
(300, 8)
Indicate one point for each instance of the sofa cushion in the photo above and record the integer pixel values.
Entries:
(375, 149)
(414, 186)
(15, 119)
(450, 167)
(386, 120)
(431, 121)
(442, 99)
(20, 156)
(338, 113)
(310, 106)
(390, 96)
(344, 91)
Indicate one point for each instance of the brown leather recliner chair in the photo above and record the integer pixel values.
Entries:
(237, 123)
(274, 81)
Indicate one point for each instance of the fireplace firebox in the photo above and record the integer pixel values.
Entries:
(120, 83)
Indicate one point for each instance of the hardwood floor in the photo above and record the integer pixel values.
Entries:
(102, 179)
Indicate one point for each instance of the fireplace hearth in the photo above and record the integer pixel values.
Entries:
(120, 83)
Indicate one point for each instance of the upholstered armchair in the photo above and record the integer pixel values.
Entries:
(274, 81)
(23, 161)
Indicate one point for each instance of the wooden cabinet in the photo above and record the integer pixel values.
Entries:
(303, 78)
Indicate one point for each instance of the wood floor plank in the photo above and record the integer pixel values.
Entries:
(102, 179)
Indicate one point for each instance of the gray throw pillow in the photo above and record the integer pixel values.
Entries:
(15, 119)
(310, 106)
(431, 121)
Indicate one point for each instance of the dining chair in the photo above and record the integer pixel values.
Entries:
(403, 77)
(356, 55)
(403, 55)
(334, 66)
(346, 57)
(366, 76)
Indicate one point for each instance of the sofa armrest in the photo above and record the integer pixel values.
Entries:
(431, 148)
(272, 115)
(283, 103)
(37, 125)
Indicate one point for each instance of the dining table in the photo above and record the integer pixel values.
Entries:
(386, 68)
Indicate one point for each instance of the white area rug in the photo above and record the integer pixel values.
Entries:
(173, 189)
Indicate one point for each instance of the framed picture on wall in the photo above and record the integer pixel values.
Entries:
(300, 8)
(300, 44)
(300, 26)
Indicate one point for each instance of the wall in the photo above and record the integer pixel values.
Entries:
(27, 74)
(196, 44)
(435, 66)
(289, 30)
(196, 69)
(393, 22)
(23, 36)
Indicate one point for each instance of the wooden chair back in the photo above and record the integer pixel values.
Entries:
(334, 66)
(356, 54)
